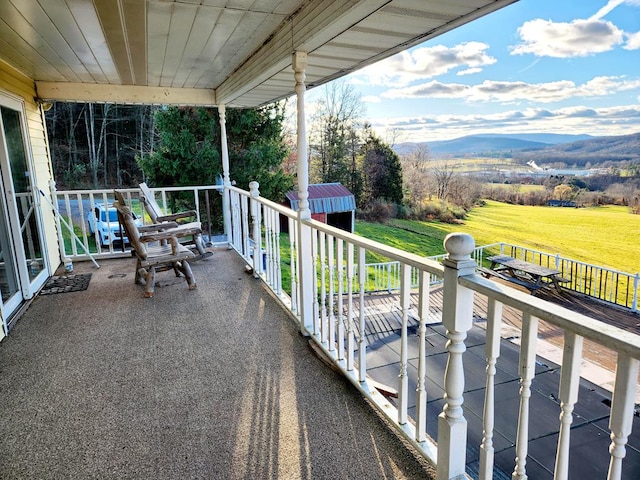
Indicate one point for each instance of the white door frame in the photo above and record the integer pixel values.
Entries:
(28, 287)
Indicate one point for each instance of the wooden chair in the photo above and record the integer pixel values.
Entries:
(191, 229)
(171, 254)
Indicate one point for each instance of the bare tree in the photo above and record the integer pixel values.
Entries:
(338, 113)
(443, 175)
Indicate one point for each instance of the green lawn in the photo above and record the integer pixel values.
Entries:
(606, 236)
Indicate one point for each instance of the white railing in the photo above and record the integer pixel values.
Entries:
(75, 206)
(602, 283)
(324, 268)
(609, 285)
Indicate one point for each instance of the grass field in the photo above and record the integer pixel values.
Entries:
(607, 236)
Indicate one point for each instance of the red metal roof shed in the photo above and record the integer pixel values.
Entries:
(330, 203)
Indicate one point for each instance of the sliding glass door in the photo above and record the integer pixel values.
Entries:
(22, 263)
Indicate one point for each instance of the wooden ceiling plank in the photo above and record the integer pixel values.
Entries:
(135, 17)
(158, 20)
(23, 64)
(410, 26)
(42, 28)
(226, 24)
(63, 20)
(110, 18)
(87, 21)
(22, 55)
(25, 37)
(377, 42)
(240, 45)
(180, 28)
(195, 50)
(310, 28)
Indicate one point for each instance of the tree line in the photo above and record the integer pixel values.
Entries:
(106, 145)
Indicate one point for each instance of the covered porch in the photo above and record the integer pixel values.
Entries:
(218, 382)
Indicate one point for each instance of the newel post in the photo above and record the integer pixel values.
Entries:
(306, 269)
(457, 318)
(255, 234)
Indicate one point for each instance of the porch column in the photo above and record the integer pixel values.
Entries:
(457, 315)
(226, 181)
(305, 267)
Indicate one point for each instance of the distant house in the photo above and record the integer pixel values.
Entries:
(560, 203)
(330, 203)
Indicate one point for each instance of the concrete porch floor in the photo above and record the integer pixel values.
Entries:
(212, 383)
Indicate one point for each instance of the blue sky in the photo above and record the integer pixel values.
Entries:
(554, 66)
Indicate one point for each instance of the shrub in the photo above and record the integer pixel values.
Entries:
(377, 211)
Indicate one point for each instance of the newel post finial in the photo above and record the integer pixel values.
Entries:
(253, 189)
(457, 317)
(459, 247)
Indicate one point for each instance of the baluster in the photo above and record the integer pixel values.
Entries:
(244, 213)
(421, 388)
(634, 303)
(277, 264)
(403, 380)
(294, 272)
(568, 394)
(341, 319)
(235, 213)
(621, 418)
(349, 319)
(196, 200)
(271, 250)
(264, 259)
(314, 290)
(324, 334)
(332, 317)
(457, 318)
(492, 352)
(527, 367)
(362, 339)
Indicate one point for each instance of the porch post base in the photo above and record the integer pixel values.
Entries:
(452, 447)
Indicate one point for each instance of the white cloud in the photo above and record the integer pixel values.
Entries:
(618, 120)
(426, 62)
(633, 41)
(579, 38)
(505, 92)
(371, 99)
(611, 4)
(469, 71)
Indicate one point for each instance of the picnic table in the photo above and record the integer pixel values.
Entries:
(529, 275)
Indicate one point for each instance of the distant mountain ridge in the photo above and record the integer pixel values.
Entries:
(544, 147)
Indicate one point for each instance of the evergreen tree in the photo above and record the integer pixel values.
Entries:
(188, 150)
(381, 171)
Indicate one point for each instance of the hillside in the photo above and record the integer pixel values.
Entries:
(541, 147)
(475, 144)
(594, 151)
